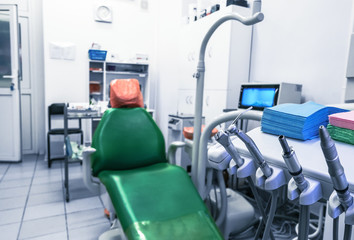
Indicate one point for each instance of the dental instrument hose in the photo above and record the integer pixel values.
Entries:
(252, 148)
(273, 208)
(224, 139)
(295, 170)
(266, 170)
(347, 232)
(336, 171)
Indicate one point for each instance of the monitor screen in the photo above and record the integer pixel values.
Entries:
(258, 96)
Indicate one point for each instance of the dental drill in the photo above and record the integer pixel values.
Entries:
(269, 179)
(308, 191)
(245, 168)
(341, 200)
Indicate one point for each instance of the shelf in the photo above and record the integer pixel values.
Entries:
(96, 71)
(95, 82)
(95, 93)
(127, 73)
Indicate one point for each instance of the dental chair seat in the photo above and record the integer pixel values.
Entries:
(152, 198)
(158, 202)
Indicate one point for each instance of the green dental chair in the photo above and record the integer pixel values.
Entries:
(152, 198)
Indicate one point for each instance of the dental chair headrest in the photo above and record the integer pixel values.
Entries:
(125, 93)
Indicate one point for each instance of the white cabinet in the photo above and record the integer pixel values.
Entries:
(227, 61)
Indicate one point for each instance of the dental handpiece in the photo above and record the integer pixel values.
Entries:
(293, 164)
(335, 169)
(224, 139)
(253, 149)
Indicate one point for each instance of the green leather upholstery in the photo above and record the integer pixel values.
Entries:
(152, 198)
(126, 138)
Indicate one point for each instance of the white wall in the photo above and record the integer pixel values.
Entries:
(133, 30)
(299, 41)
(168, 20)
(72, 21)
(304, 42)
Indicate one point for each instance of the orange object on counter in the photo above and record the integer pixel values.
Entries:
(188, 132)
(125, 93)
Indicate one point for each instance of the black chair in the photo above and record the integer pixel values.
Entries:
(57, 109)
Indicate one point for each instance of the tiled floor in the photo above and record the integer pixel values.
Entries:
(32, 204)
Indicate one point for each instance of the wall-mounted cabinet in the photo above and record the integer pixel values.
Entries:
(102, 73)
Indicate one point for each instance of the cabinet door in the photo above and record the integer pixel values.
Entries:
(186, 100)
(188, 56)
(214, 103)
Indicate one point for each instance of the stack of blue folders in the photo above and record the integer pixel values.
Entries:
(300, 121)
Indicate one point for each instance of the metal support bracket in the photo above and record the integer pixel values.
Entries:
(273, 182)
(335, 208)
(247, 169)
(309, 196)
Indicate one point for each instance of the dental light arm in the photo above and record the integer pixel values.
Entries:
(257, 5)
(256, 17)
(335, 169)
(293, 164)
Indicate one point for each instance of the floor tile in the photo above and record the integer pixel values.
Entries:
(11, 216)
(48, 187)
(9, 231)
(86, 218)
(78, 190)
(12, 203)
(11, 183)
(44, 210)
(14, 192)
(43, 226)
(43, 198)
(46, 179)
(4, 167)
(89, 232)
(54, 236)
(18, 175)
(77, 205)
(48, 172)
(29, 157)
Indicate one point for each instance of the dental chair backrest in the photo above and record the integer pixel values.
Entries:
(126, 138)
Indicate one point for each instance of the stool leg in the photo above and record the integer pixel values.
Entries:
(48, 150)
(82, 138)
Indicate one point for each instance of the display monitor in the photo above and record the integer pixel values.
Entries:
(258, 96)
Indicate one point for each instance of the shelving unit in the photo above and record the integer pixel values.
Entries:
(96, 81)
(102, 73)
